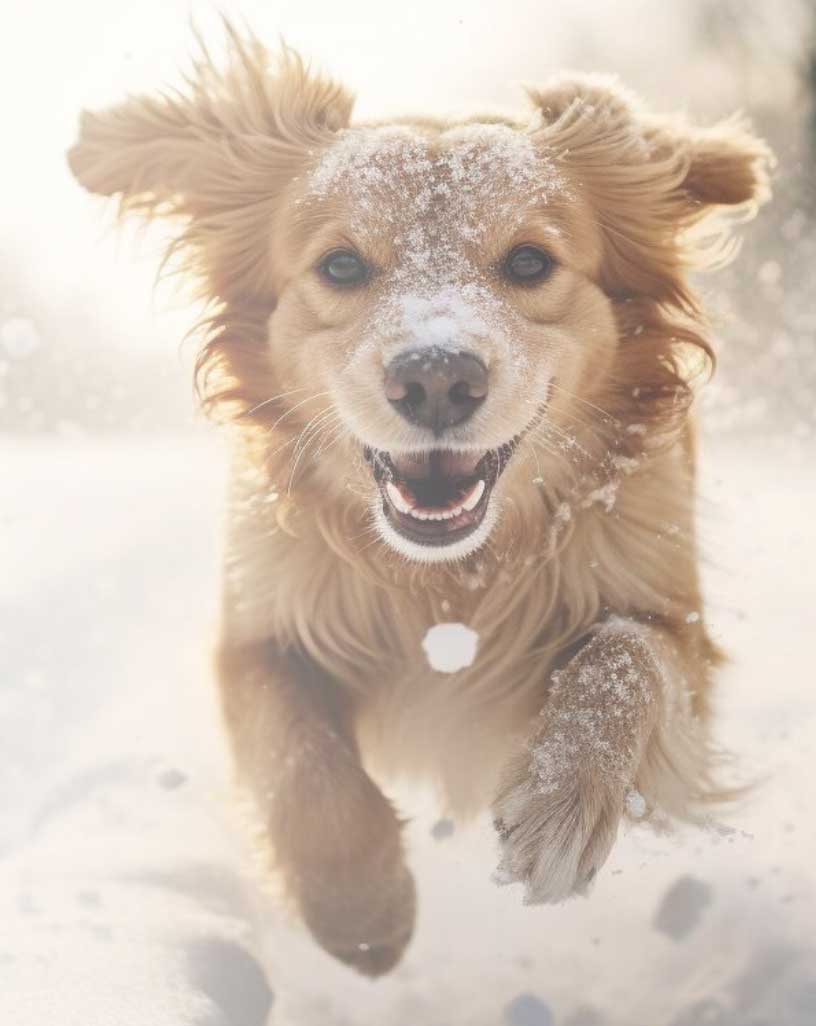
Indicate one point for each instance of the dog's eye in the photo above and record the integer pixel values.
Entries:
(528, 265)
(342, 267)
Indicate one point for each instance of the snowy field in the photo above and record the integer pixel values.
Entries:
(126, 896)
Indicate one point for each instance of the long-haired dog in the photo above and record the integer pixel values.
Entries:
(459, 357)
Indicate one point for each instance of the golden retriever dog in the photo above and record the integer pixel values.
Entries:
(458, 357)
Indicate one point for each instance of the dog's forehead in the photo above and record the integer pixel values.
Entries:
(435, 197)
(466, 166)
(376, 152)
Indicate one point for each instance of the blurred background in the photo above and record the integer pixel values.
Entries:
(126, 895)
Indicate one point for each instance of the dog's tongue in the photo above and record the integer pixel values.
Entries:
(415, 466)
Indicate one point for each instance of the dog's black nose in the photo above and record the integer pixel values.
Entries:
(434, 387)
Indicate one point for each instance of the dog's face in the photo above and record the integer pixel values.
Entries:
(437, 286)
(444, 305)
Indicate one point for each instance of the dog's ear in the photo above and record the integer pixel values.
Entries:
(724, 165)
(178, 147)
(727, 164)
(659, 185)
(217, 151)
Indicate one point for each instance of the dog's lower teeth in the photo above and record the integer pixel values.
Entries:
(441, 514)
(398, 499)
(473, 497)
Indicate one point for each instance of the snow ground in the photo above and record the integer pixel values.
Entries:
(125, 897)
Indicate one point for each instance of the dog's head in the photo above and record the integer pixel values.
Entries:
(418, 312)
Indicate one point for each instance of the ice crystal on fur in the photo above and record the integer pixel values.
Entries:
(441, 318)
(606, 496)
(594, 711)
(564, 513)
(470, 165)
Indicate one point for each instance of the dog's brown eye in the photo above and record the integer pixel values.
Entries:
(528, 265)
(342, 267)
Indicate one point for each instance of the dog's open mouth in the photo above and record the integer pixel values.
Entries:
(437, 497)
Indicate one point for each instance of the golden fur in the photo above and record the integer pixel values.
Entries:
(590, 692)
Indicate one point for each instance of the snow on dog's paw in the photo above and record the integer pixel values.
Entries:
(554, 841)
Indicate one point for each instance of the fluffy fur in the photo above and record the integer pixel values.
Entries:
(592, 680)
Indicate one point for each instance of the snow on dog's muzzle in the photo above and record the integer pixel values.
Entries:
(434, 503)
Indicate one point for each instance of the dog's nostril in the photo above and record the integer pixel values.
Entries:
(462, 392)
(415, 394)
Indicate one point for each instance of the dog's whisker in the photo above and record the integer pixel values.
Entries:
(551, 453)
(273, 399)
(583, 402)
(314, 424)
(332, 422)
(331, 436)
(285, 445)
(376, 540)
(370, 529)
(534, 453)
(297, 406)
(296, 460)
(588, 426)
(309, 434)
(290, 441)
(569, 440)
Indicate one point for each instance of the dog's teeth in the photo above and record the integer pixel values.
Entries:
(420, 513)
(397, 498)
(438, 514)
(472, 499)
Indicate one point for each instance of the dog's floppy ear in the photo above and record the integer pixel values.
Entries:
(723, 165)
(727, 164)
(178, 146)
(215, 152)
(659, 185)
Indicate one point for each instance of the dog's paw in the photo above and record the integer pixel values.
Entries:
(367, 924)
(555, 840)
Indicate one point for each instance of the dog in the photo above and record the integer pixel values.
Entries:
(458, 359)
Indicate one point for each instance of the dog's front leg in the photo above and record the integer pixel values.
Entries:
(616, 734)
(334, 836)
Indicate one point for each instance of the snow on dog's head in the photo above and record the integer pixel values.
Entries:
(432, 325)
